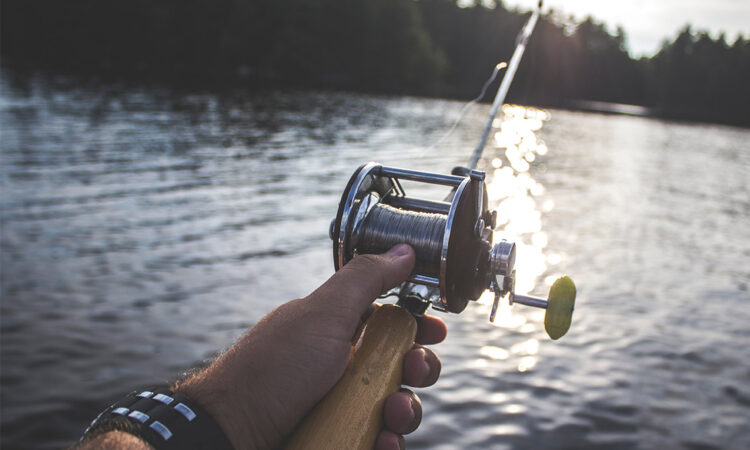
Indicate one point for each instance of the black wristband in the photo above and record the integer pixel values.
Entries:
(167, 420)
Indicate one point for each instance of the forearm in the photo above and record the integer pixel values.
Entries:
(259, 390)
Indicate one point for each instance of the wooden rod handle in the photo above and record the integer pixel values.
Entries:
(350, 416)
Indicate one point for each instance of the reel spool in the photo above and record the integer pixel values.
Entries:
(456, 259)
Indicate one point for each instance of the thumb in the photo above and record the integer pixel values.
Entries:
(356, 285)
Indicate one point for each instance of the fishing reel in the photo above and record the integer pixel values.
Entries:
(456, 260)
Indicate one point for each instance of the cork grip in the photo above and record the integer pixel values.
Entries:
(350, 416)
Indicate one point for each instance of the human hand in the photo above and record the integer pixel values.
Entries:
(263, 386)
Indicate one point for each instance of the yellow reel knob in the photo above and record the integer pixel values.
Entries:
(560, 305)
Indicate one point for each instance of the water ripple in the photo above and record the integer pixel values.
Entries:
(144, 230)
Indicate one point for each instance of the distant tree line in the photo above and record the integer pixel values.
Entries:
(422, 47)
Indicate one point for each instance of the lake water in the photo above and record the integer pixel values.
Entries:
(143, 230)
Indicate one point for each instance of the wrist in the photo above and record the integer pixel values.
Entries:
(162, 418)
(232, 410)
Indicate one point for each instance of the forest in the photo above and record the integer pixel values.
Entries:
(412, 47)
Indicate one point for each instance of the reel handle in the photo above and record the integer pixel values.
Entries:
(350, 416)
(559, 305)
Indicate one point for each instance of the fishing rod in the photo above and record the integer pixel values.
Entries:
(523, 38)
(456, 262)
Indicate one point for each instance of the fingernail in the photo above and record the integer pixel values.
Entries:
(399, 250)
(412, 411)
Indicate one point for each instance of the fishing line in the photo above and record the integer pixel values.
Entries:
(522, 40)
(477, 99)
(387, 226)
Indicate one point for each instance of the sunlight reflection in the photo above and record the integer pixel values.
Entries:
(527, 363)
(514, 408)
(553, 259)
(493, 352)
(539, 239)
(549, 279)
(499, 397)
(527, 348)
(479, 363)
(509, 429)
(520, 204)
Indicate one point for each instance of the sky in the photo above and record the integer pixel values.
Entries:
(648, 22)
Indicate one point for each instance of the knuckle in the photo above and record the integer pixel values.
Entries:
(366, 261)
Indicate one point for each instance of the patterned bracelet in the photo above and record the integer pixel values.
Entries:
(167, 420)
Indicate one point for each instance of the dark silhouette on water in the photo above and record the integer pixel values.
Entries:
(430, 47)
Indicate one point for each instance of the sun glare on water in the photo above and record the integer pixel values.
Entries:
(520, 203)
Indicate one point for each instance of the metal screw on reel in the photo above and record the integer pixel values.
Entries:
(456, 260)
